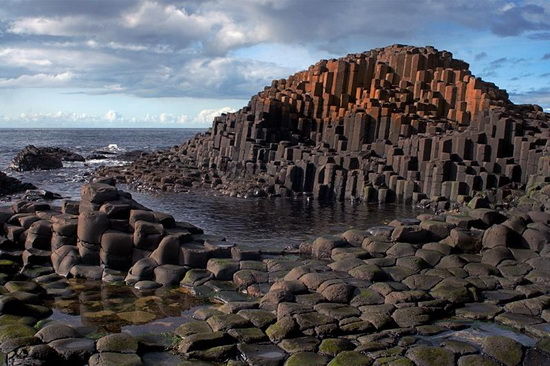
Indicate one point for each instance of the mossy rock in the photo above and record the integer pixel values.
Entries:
(193, 327)
(10, 331)
(544, 345)
(393, 361)
(348, 358)
(333, 346)
(503, 349)
(281, 329)
(218, 353)
(476, 360)
(7, 266)
(14, 319)
(431, 356)
(306, 359)
(117, 342)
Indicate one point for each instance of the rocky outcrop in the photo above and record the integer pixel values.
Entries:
(11, 185)
(399, 123)
(42, 158)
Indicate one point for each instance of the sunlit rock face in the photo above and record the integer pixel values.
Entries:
(399, 123)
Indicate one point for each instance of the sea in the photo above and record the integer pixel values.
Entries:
(273, 223)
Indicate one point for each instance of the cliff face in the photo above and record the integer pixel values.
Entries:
(397, 123)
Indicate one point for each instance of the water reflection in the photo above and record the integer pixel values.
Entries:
(113, 308)
(271, 223)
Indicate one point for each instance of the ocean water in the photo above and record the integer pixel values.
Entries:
(260, 223)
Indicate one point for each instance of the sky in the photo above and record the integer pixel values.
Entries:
(170, 63)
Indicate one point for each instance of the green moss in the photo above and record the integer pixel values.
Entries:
(333, 346)
(348, 358)
(306, 359)
(10, 331)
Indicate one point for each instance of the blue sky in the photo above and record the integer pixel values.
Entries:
(153, 63)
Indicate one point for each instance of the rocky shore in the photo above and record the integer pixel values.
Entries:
(395, 124)
(407, 293)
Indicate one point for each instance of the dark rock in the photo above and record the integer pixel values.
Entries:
(42, 158)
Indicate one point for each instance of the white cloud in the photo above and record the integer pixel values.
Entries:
(206, 116)
(112, 116)
(38, 80)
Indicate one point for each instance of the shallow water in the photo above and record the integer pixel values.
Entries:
(272, 223)
(113, 308)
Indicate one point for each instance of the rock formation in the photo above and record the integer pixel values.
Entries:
(11, 185)
(42, 158)
(393, 294)
(392, 124)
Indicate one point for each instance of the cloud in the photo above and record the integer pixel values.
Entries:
(546, 56)
(540, 96)
(480, 56)
(206, 116)
(160, 48)
(111, 116)
(38, 80)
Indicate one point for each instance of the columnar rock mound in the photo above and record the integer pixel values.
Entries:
(396, 123)
(43, 158)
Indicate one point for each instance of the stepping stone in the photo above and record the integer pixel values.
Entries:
(431, 356)
(349, 358)
(306, 359)
(478, 311)
(262, 354)
(227, 321)
(115, 359)
(117, 342)
(300, 344)
(75, 350)
(247, 335)
(259, 318)
(503, 349)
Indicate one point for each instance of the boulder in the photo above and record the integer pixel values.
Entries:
(42, 158)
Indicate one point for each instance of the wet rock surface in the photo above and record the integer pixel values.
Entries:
(10, 185)
(42, 158)
(401, 294)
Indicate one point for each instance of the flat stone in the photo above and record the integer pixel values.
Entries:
(349, 358)
(333, 346)
(476, 360)
(337, 311)
(193, 327)
(410, 317)
(281, 329)
(56, 331)
(201, 341)
(137, 316)
(114, 359)
(10, 331)
(259, 318)
(117, 342)
(262, 354)
(478, 311)
(226, 321)
(76, 350)
(306, 359)
(247, 335)
(458, 347)
(431, 356)
(300, 344)
(312, 319)
(518, 321)
(503, 349)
